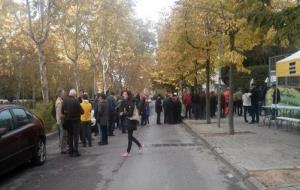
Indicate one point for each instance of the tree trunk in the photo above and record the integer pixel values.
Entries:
(208, 120)
(231, 114)
(33, 94)
(43, 73)
(94, 81)
(76, 75)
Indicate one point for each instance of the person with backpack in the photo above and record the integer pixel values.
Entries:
(112, 112)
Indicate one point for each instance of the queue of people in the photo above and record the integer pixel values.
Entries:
(74, 115)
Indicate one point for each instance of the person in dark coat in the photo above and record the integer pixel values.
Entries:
(158, 109)
(196, 105)
(169, 109)
(167, 105)
(202, 105)
(254, 105)
(213, 104)
(176, 109)
(102, 118)
(131, 124)
(275, 100)
(72, 111)
(112, 112)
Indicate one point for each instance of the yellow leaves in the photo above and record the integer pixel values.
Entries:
(270, 35)
(233, 57)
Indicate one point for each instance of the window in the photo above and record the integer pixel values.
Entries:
(6, 120)
(29, 115)
(21, 117)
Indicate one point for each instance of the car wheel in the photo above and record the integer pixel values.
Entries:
(40, 154)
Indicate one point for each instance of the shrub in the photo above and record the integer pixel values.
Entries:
(43, 111)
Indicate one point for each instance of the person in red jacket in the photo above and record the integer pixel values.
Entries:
(187, 101)
(226, 97)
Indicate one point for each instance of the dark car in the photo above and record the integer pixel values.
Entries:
(22, 138)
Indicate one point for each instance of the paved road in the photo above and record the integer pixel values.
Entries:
(173, 159)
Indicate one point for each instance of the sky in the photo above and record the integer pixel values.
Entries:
(152, 9)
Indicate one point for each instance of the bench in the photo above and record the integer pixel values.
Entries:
(290, 122)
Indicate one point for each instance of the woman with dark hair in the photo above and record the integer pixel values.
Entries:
(127, 112)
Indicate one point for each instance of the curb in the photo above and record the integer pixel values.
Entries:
(249, 181)
(49, 135)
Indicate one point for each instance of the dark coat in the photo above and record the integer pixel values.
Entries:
(71, 109)
(254, 97)
(103, 112)
(274, 96)
(128, 112)
(158, 105)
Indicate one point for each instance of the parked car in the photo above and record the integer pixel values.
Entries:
(22, 138)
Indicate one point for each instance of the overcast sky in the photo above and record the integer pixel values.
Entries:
(151, 9)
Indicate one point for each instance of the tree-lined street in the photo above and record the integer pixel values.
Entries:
(173, 159)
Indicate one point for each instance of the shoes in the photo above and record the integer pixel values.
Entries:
(102, 143)
(63, 152)
(252, 122)
(246, 121)
(141, 149)
(90, 145)
(84, 145)
(125, 154)
(76, 154)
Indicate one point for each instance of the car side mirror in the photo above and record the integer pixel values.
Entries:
(2, 131)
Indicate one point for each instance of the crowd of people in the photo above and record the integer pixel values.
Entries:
(74, 113)
(74, 116)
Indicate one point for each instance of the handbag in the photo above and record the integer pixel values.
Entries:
(135, 116)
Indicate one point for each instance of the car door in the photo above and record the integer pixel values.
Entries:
(9, 143)
(26, 131)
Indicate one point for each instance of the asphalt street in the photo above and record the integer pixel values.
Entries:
(173, 159)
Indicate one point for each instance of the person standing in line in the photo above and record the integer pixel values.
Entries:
(176, 109)
(275, 100)
(165, 101)
(102, 118)
(131, 124)
(112, 112)
(80, 99)
(187, 101)
(142, 110)
(72, 111)
(226, 99)
(62, 132)
(196, 104)
(86, 121)
(238, 102)
(213, 104)
(254, 105)
(122, 117)
(246, 103)
(158, 109)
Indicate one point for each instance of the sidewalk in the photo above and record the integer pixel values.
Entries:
(270, 155)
